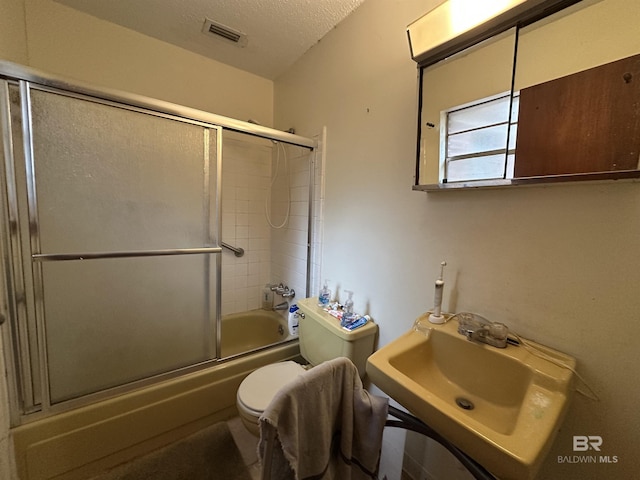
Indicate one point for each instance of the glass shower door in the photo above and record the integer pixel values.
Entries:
(124, 251)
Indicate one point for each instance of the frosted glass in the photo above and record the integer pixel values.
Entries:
(477, 168)
(109, 322)
(488, 113)
(111, 179)
(478, 141)
(27, 326)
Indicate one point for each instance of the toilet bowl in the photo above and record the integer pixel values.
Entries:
(258, 389)
(321, 338)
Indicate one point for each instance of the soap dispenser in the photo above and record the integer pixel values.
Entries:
(325, 295)
(347, 310)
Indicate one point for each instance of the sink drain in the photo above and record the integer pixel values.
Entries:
(464, 403)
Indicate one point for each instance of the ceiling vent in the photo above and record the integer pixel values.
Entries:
(224, 33)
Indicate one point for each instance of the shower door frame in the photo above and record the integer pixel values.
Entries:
(11, 261)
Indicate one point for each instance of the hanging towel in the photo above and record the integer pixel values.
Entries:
(323, 425)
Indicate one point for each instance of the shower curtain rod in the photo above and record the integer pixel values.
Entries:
(13, 71)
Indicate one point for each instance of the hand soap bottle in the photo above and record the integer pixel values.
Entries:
(325, 295)
(347, 310)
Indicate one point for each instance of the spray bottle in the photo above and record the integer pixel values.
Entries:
(436, 316)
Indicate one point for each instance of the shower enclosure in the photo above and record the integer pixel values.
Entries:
(121, 217)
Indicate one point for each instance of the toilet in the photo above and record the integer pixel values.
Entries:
(321, 338)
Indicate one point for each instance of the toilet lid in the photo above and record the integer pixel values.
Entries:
(258, 389)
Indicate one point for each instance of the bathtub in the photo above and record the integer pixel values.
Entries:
(252, 330)
(82, 442)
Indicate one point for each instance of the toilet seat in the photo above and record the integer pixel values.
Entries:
(258, 389)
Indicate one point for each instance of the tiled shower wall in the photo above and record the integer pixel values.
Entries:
(246, 175)
(289, 243)
(252, 169)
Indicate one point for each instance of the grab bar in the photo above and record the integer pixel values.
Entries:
(237, 251)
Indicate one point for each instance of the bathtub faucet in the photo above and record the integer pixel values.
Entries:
(282, 306)
(283, 290)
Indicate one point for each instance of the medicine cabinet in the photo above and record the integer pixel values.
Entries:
(549, 96)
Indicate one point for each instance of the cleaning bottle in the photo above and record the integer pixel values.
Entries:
(325, 295)
(347, 310)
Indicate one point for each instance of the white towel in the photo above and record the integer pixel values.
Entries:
(326, 426)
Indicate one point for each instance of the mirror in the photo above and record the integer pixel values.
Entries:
(465, 113)
(567, 110)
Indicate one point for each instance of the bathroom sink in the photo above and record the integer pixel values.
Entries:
(500, 406)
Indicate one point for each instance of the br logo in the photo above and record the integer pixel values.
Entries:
(583, 443)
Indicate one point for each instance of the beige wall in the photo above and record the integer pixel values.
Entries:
(13, 44)
(66, 42)
(557, 264)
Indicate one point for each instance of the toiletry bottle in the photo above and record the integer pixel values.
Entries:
(357, 323)
(347, 310)
(293, 320)
(325, 295)
(267, 298)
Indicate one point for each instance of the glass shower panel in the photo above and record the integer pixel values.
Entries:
(25, 331)
(110, 322)
(113, 179)
(105, 179)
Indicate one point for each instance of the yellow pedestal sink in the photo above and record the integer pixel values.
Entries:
(500, 406)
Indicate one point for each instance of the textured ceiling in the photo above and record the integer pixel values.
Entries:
(279, 31)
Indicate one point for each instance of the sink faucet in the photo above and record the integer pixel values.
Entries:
(478, 328)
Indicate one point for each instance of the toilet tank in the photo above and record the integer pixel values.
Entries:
(322, 338)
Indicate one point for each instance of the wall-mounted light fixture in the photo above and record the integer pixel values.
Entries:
(455, 25)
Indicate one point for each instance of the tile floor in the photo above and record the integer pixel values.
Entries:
(247, 444)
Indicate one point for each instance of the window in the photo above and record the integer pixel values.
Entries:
(475, 138)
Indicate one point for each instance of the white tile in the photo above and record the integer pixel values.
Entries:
(242, 232)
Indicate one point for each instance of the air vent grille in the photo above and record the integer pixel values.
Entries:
(224, 33)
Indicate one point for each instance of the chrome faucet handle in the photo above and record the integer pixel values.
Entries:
(476, 327)
(277, 288)
(288, 293)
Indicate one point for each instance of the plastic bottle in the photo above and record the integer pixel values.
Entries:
(267, 298)
(347, 310)
(325, 295)
(293, 320)
(357, 323)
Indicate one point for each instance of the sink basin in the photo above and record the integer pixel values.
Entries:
(502, 407)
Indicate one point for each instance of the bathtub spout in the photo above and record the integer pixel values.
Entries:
(282, 306)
